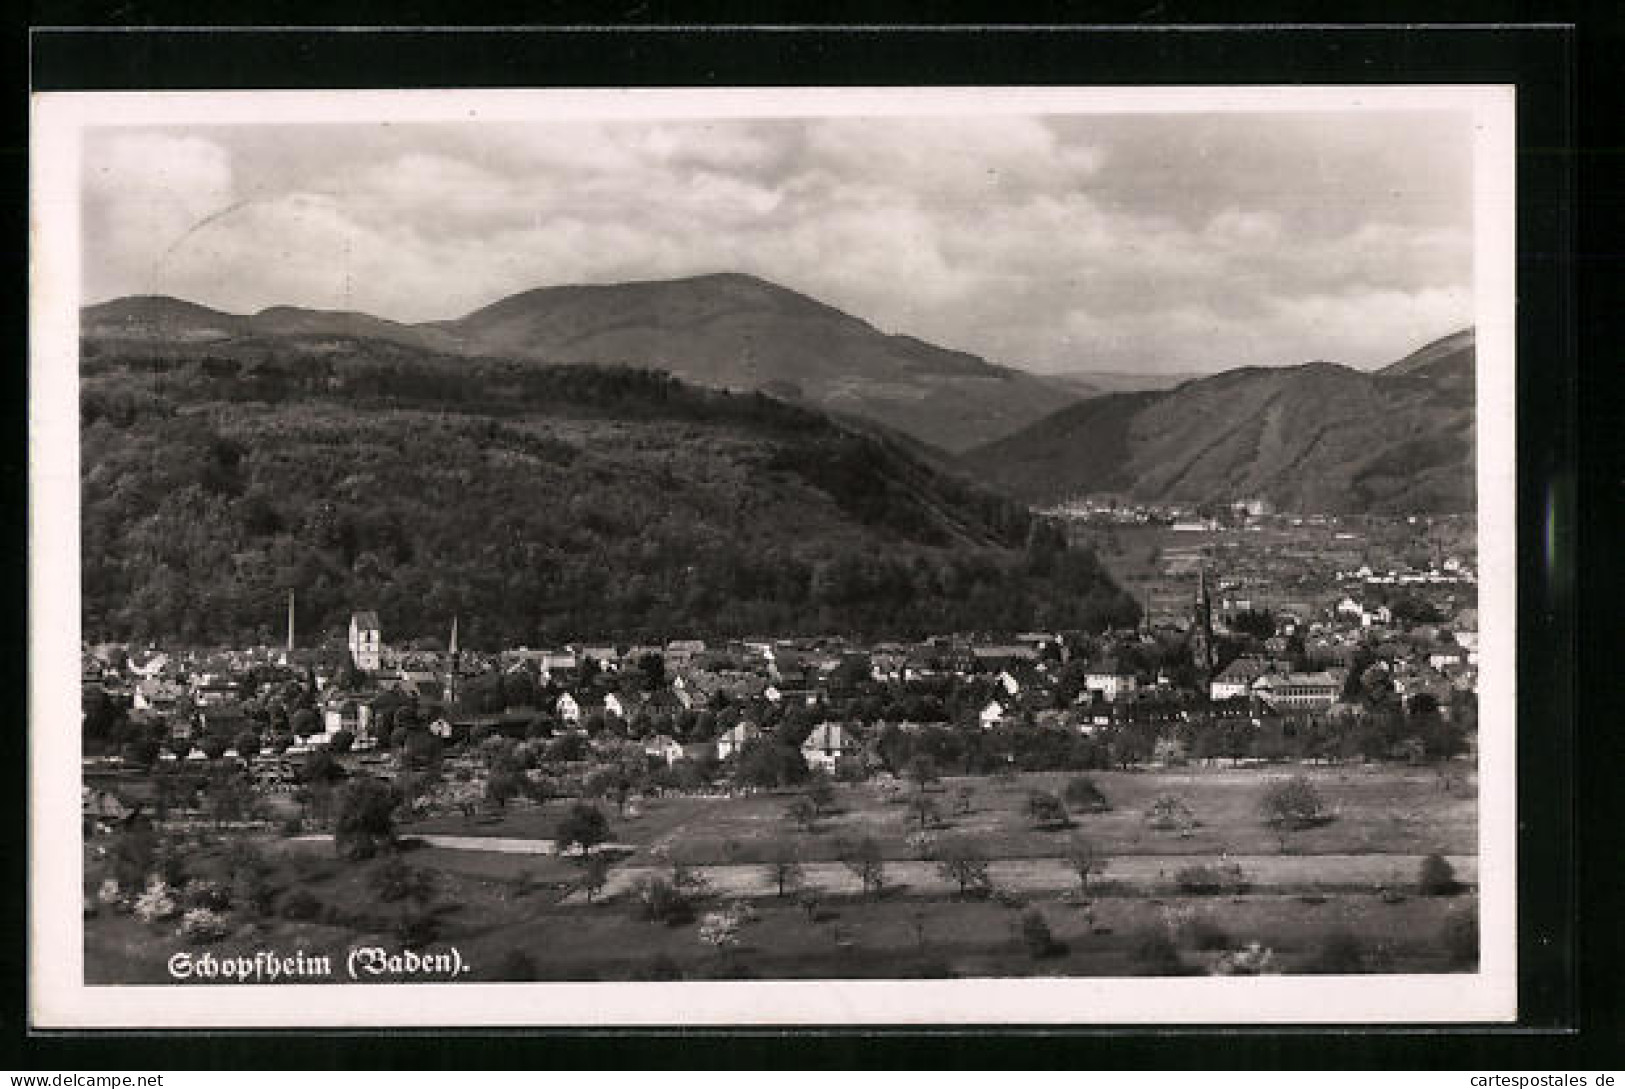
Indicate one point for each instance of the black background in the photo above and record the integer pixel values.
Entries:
(1569, 929)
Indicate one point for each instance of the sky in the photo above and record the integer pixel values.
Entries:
(1168, 243)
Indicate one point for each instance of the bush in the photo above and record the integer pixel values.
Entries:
(206, 894)
(1155, 953)
(1082, 793)
(659, 901)
(1460, 937)
(1208, 936)
(1436, 877)
(1045, 810)
(1341, 953)
(394, 880)
(1009, 898)
(203, 925)
(156, 903)
(1037, 937)
(417, 928)
(301, 906)
(1252, 959)
(366, 819)
(1211, 880)
(292, 827)
(1170, 813)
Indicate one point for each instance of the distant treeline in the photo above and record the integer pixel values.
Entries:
(535, 502)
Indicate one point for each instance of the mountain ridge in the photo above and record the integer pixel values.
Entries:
(725, 330)
(1316, 437)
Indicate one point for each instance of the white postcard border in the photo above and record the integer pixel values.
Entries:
(59, 999)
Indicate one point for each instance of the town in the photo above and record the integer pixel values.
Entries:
(694, 774)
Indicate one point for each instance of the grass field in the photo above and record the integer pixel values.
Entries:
(494, 906)
(1379, 809)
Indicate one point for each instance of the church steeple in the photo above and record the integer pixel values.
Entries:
(456, 665)
(1202, 649)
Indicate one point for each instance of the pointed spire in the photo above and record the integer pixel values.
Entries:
(453, 646)
(290, 621)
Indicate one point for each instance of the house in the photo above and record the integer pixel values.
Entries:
(992, 715)
(366, 640)
(214, 689)
(699, 752)
(680, 652)
(158, 696)
(1236, 679)
(346, 714)
(1110, 678)
(614, 706)
(828, 745)
(997, 656)
(1304, 692)
(663, 747)
(1008, 682)
(732, 741)
(607, 657)
(568, 710)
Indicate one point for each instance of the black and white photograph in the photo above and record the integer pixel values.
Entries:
(985, 555)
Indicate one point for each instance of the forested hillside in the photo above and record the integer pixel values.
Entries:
(1316, 438)
(536, 503)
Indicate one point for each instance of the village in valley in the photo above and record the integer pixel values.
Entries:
(1272, 771)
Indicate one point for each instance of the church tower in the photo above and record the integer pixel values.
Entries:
(455, 667)
(1202, 649)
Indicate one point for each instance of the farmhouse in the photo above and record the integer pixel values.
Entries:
(731, 741)
(828, 745)
(1110, 678)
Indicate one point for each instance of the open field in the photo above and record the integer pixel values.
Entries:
(1380, 809)
(513, 913)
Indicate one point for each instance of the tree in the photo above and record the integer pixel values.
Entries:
(304, 722)
(1036, 935)
(1288, 805)
(343, 741)
(594, 876)
(502, 784)
(1082, 793)
(922, 809)
(922, 772)
(584, 826)
(321, 767)
(1436, 877)
(821, 792)
(720, 930)
(366, 819)
(866, 862)
(803, 813)
(784, 866)
(1084, 861)
(765, 762)
(964, 863)
(1046, 811)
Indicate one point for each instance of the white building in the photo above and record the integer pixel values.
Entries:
(366, 641)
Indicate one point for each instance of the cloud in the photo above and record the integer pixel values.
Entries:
(1162, 242)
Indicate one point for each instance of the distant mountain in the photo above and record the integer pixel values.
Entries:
(534, 502)
(1315, 437)
(1095, 383)
(726, 331)
(1446, 352)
